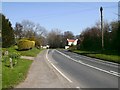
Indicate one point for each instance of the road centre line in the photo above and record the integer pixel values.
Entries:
(109, 72)
(57, 68)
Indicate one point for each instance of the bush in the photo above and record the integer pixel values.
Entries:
(73, 47)
(25, 44)
(14, 56)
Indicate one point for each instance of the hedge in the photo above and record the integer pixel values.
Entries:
(25, 44)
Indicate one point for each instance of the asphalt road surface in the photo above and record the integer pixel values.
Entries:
(84, 72)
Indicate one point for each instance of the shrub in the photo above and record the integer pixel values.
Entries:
(14, 56)
(72, 47)
(25, 44)
(32, 43)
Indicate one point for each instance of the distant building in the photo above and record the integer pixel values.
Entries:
(45, 47)
(72, 41)
(66, 47)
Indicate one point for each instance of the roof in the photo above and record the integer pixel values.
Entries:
(71, 40)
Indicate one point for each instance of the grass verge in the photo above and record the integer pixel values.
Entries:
(0, 68)
(0, 75)
(32, 52)
(103, 56)
(12, 77)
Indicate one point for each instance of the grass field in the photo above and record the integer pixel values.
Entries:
(12, 77)
(112, 57)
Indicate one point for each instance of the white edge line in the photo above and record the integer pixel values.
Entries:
(57, 68)
(88, 64)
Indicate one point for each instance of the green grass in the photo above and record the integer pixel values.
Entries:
(104, 56)
(0, 69)
(0, 75)
(32, 52)
(12, 77)
(112, 58)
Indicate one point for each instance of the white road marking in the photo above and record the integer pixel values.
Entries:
(115, 74)
(57, 68)
(101, 62)
(77, 87)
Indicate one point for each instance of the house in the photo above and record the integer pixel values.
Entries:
(72, 41)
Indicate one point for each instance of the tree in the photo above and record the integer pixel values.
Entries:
(118, 37)
(18, 31)
(91, 39)
(40, 30)
(54, 38)
(30, 30)
(8, 38)
(67, 35)
(115, 35)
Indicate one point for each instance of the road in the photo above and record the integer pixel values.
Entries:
(82, 71)
(41, 75)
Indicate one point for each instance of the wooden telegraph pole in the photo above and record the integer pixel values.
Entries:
(101, 9)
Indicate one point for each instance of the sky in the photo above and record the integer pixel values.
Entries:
(66, 16)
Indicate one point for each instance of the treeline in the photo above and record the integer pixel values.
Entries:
(34, 32)
(90, 38)
(56, 39)
(22, 30)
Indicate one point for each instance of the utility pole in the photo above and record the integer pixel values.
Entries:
(101, 9)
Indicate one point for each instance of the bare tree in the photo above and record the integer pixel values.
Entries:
(32, 31)
(41, 31)
(18, 30)
(54, 38)
(28, 28)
